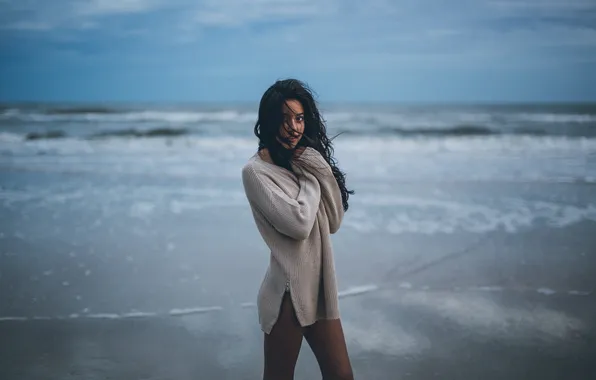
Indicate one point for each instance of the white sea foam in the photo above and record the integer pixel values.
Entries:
(139, 314)
(103, 316)
(8, 319)
(555, 118)
(546, 291)
(381, 146)
(10, 138)
(195, 310)
(166, 116)
(448, 216)
(142, 209)
(360, 221)
(494, 158)
(189, 117)
(373, 145)
(358, 290)
(579, 293)
(113, 316)
(489, 288)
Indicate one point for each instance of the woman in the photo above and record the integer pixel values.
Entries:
(298, 198)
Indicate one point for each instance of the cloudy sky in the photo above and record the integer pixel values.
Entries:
(348, 50)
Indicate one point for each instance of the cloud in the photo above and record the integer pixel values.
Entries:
(40, 15)
(544, 5)
(30, 25)
(233, 13)
(568, 12)
(107, 7)
(345, 34)
(372, 43)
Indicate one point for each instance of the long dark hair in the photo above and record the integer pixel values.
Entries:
(271, 118)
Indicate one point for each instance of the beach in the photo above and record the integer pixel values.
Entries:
(128, 250)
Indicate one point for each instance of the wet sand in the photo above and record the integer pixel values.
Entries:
(491, 306)
(527, 338)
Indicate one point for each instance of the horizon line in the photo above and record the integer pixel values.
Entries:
(319, 101)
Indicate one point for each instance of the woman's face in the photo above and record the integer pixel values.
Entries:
(293, 125)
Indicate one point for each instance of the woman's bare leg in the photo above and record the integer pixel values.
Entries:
(282, 344)
(327, 341)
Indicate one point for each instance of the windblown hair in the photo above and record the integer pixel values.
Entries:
(271, 119)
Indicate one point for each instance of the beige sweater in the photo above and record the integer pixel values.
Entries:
(295, 216)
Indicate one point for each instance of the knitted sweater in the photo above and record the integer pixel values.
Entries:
(295, 215)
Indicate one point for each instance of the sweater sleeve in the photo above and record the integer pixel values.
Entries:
(332, 200)
(330, 192)
(292, 217)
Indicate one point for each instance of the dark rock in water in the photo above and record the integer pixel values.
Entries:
(45, 135)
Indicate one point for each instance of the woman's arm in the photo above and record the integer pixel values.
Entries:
(314, 163)
(332, 200)
(292, 217)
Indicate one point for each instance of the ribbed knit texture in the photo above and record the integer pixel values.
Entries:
(295, 216)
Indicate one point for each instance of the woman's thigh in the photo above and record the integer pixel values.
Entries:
(327, 341)
(282, 344)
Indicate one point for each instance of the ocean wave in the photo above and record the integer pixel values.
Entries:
(414, 117)
(82, 110)
(108, 115)
(458, 130)
(10, 138)
(124, 133)
(557, 118)
(156, 132)
(163, 138)
(463, 130)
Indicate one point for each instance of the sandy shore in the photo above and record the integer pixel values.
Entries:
(501, 307)
(392, 335)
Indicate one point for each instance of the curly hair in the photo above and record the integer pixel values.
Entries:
(271, 118)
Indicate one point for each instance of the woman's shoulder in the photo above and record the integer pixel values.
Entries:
(255, 166)
(251, 165)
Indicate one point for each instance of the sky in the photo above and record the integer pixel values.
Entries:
(346, 50)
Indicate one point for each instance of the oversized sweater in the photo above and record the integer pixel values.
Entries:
(295, 215)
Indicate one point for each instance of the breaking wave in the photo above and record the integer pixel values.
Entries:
(459, 130)
(157, 132)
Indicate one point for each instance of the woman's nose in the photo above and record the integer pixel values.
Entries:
(296, 127)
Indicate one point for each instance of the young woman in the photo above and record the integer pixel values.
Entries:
(298, 198)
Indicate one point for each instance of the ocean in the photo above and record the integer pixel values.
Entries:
(472, 232)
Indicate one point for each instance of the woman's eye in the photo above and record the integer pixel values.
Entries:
(300, 118)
